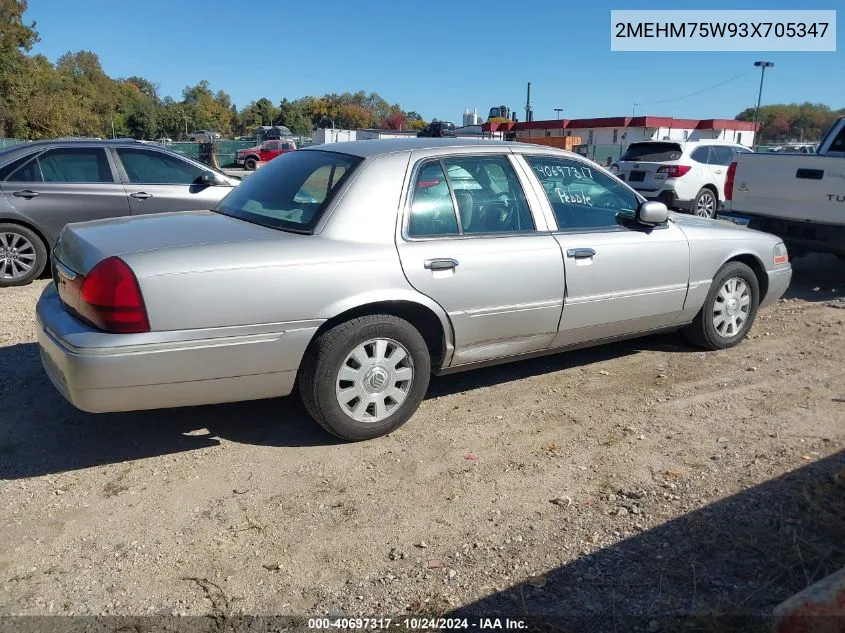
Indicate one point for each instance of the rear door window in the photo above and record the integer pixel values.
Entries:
(66, 165)
(652, 152)
(149, 167)
(432, 209)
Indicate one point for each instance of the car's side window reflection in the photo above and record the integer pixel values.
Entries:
(432, 211)
(581, 196)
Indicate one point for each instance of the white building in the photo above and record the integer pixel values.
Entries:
(336, 135)
(471, 118)
(627, 130)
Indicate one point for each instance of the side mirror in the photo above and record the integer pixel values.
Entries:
(209, 178)
(652, 212)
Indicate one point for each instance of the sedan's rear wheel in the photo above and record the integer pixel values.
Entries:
(729, 310)
(705, 204)
(22, 255)
(366, 377)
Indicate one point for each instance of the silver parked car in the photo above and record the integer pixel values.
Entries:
(47, 184)
(354, 271)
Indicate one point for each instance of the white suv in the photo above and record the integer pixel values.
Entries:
(686, 175)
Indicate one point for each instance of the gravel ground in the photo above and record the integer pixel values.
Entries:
(638, 479)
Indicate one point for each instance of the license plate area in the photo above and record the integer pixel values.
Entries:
(636, 176)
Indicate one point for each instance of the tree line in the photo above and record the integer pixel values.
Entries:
(792, 122)
(75, 97)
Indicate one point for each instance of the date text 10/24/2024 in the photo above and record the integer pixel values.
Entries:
(416, 623)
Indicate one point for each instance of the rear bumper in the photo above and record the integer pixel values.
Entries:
(798, 236)
(669, 197)
(102, 376)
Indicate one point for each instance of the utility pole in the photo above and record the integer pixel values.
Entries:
(762, 66)
(558, 110)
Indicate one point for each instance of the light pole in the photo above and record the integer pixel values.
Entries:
(558, 110)
(762, 66)
(634, 109)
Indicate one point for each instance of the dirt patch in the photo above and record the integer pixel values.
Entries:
(642, 479)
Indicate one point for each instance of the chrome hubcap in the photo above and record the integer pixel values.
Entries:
(705, 206)
(733, 303)
(374, 380)
(17, 256)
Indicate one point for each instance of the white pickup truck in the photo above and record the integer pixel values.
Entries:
(798, 197)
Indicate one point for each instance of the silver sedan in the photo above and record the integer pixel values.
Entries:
(352, 272)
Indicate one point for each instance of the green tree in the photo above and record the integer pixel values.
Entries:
(292, 115)
(792, 121)
(16, 38)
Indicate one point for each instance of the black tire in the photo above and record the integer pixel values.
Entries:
(251, 163)
(318, 374)
(709, 200)
(38, 249)
(702, 331)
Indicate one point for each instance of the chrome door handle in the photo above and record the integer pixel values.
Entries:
(580, 253)
(25, 193)
(445, 263)
(140, 195)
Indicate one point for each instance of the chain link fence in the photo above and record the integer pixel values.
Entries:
(225, 150)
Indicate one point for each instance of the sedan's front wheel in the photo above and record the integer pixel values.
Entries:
(366, 377)
(729, 310)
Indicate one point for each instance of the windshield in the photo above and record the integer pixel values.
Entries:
(291, 192)
(652, 152)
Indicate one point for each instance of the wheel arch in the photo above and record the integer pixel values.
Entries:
(756, 265)
(425, 315)
(48, 243)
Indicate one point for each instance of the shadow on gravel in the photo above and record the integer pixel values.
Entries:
(817, 278)
(40, 433)
(722, 568)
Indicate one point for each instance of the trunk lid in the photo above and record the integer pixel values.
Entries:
(81, 246)
(798, 187)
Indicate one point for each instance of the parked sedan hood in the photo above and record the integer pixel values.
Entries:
(82, 245)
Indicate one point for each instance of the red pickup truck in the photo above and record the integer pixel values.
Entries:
(266, 151)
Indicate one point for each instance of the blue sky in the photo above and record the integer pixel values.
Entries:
(437, 58)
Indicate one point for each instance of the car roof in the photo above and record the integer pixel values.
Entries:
(376, 147)
(74, 141)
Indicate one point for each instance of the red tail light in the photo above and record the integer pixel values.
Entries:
(614, 167)
(111, 299)
(674, 171)
(729, 182)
